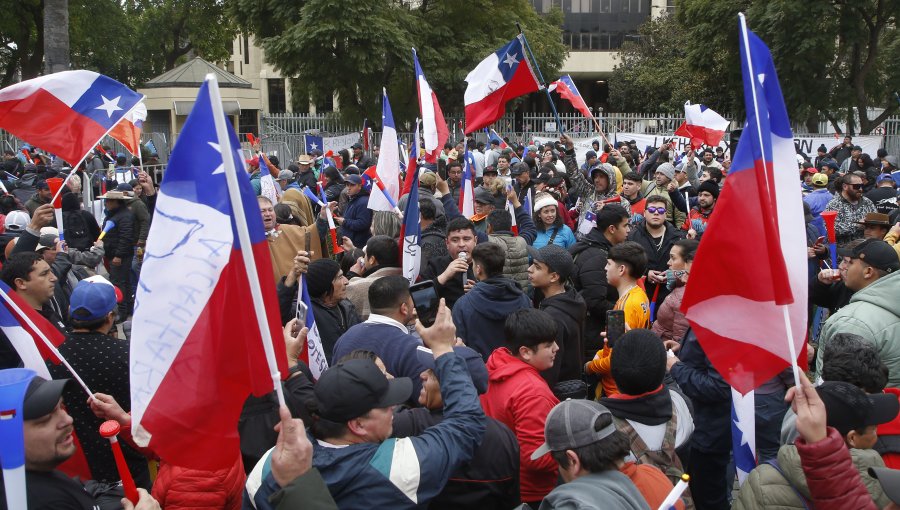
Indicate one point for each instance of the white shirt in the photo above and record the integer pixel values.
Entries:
(374, 318)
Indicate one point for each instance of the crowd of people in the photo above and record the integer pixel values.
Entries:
(518, 392)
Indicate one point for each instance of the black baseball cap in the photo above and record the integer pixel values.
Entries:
(877, 254)
(557, 259)
(520, 168)
(42, 396)
(850, 408)
(889, 480)
(351, 389)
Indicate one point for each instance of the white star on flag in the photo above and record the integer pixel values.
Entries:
(510, 60)
(221, 168)
(110, 105)
(314, 146)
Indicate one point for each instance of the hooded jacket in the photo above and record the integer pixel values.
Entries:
(583, 187)
(569, 311)
(479, 315)
(606, 489)
(874, 314)
(589, 278)
(765, 487)
(521, 399)
(670, 323)
(358, 219)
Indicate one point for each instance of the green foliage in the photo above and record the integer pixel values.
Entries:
(368, 46)
(131, 41)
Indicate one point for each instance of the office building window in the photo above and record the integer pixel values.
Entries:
(277, 97)
(246, 49)
(248, 122)
(598, 25)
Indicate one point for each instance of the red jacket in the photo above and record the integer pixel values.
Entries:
(889, 435)
(178, 488)
(671, 324)
(519, 397)
(833, 480)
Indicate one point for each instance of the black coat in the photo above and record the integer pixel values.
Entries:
(453, 290)
(657, 258)
(308, 179)
(333, 321)
(120, 241)
(589, 278)
(433, 241)
(709, 393)
(489, 481)
(569, 311)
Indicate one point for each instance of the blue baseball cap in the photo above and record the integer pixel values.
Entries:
(92, 300)
(884, 177)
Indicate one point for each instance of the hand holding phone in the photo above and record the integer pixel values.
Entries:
(425, 301)
(615, 326)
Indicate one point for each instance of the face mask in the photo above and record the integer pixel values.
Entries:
(672, 277)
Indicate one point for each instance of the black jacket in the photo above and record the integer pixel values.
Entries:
(333, 321)
(453, 290)
(589, 278)
(833, 297)
(568, 310)
(308, 179)
(333, 191)
(709, 394)
(657, 258)
(489, 481)
(120, 241)
(433, 241)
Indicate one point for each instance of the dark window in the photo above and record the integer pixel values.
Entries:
(325, 105)
(246, 49)
(592, 25)
(248, 122)
(277, 98)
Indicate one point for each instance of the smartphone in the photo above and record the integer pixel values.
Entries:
(425, 300)
(615, 326)
(301, 314)
(820, 240)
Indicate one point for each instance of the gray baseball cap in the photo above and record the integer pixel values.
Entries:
(571, 424)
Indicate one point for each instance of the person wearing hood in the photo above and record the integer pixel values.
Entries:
(80, 228)
(356, 221)
(592, 193)
(491, 479)
(548, 273)
(874, 311)
(480, 313)
(427, 187)
(521, 399)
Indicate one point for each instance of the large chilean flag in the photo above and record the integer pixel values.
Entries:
(65, 113)
(196, 348)
(702, 125)
(733, 302)
(434, 127)
(504, 75)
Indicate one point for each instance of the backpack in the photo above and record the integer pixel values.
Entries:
(75, 230)
(665, 458)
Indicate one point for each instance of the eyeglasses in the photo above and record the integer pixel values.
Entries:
(656, 210)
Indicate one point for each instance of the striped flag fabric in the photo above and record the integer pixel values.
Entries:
(314, 353)
(128, 130)
(13, 385)
(467, 189)
(434, 127)
(410, 233)
(743, 433)
(387, 172)
(567, 90)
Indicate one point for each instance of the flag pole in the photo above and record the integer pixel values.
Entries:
(243, 232)
(767, 221)
(537, 68)
(47, 343)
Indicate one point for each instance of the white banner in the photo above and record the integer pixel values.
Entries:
(336, 143)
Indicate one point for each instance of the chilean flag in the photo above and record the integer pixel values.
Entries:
(314, 354)
(20, 322)
(434, 126)
(14, 384)
(467, 188)
(566, 89)
(743, 433)
(504, 75)
(196, 348)
(492, 135)
(411, 173)
(410, 233)
(735, 308)
(128, 130)
(702, 125)
(388, 163)
(65, 113)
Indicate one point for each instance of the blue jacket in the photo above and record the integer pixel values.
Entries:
(564, 237)
(709, 393)
(817, 200)
(480, 314)
(395, 348)
(358, 219)
(398, 473)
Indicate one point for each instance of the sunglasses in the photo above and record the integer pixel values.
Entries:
(856, 186)
(656, 210)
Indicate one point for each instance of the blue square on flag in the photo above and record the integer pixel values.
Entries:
(313, 143)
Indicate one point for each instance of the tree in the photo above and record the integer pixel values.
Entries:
(56, 36)
(366, 45)
(21, 40)
(836, 58)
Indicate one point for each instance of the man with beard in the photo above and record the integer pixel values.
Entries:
(695, 224)
(851, 207)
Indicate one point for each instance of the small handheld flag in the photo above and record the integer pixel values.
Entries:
(410, 232)
(314, 353)
(320, 200)
(467, 189)
(13, 385)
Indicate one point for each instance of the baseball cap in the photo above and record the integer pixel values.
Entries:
(820, 180)
(99, 279)
(557, 258)
(483, 196)
(16, 221)
(571, 424)
(254, 161)
(42, 396)
(351, 389)
(590, 154)
(877, 254)
(491, 169)
(41, 184)
(353, 179)
(847, 407)
(474, 363)
(428, 179)
(285, 175)
(889, 480)
(884, 177)
(91, 301)
(519, 169)
(48, 239)
(809, 170)
(356, 145)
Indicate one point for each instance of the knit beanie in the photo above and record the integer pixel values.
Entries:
(638, 362)
(70, 202)
(319, 276)
(709, 186)
(667, 169)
